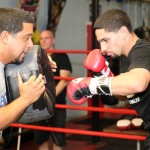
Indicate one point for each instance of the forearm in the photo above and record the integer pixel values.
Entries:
(60, 86)
(130, 83)
(121, 86)
(11, 112)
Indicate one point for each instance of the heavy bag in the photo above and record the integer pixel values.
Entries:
(35, 63)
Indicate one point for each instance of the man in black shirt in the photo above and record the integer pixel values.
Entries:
(116, 37)
(64, 69)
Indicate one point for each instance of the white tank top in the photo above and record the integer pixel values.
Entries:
(3, 99)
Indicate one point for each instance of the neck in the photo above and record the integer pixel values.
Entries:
(4, 57)
(50, 48)
(130, 42)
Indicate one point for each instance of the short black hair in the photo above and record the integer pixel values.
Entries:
(113, 20)
(12, 19)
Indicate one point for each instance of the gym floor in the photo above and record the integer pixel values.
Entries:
(75, 141)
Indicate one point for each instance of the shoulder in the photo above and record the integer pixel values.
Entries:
(142, 43)
(60, 56)
(141, 48)
(139, 56)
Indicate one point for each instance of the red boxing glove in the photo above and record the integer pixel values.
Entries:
(96, 63)
(78, 90)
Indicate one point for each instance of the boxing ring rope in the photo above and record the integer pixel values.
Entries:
(69, 51)
(84, 108)
(98, 109)
(81, 132)
(63, 78)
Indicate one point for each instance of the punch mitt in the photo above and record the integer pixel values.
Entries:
(123, 124)
(35, 62)
(137, 123)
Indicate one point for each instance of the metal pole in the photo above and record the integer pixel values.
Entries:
(95, 14)
(19, 138)
(96, 99)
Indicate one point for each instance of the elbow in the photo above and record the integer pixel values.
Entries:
(2, 127)
(140, 87)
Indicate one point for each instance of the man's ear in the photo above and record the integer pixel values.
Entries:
(4, 37)
(124, 31)
(53, 41)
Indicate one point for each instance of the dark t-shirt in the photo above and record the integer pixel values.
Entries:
(139, 57)
(63, 63)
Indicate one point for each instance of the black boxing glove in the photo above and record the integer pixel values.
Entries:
(35, 62)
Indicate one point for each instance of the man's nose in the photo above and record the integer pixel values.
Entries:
(103, 47)
(30, 44)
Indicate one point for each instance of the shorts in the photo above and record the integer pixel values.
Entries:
(58, 120)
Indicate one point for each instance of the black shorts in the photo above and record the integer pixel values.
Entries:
(58, 120)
